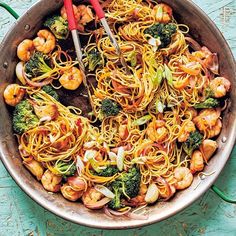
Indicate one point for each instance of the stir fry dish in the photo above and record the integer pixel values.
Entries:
(139, 137)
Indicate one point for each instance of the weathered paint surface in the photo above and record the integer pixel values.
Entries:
(20, 216)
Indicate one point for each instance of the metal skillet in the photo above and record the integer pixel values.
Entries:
(204, 31)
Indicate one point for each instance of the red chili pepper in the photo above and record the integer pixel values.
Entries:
(79, 124)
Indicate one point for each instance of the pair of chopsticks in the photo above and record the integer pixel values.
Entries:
(73, 28)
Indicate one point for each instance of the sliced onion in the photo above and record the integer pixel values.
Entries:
(212, 63)
(120, 158)
(106, 147)
(107, 212)
(164, 182)
(20, 72)
(45, 118)
(99, 204)
(119, 213)
(135, 216)
(90, 154)
(193, 44)
(152, 193)
(79, 165)
(104, 190)
(90, 144)
(112, 156)
(38, 84)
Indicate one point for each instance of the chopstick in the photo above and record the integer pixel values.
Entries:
(101, 16)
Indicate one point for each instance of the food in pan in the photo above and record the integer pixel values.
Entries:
(147, 133)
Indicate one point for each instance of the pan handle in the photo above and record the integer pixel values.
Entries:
(9, 9)
(222, 195)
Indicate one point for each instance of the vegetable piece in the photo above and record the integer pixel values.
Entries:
(168, 75)
(94, 59)
(104, 190)
(133, 59)
(37, 65)
(143, 120)
(58, 25)
(208, 103)
(20, 72)
(116, 203)
(159, 77)
(159, 106)
(108, 172)
(50, 91)
(120, 158)
(125, 186)
(46, 112)
(193, 142)
(162, 31)
(109, 107)
(24, 118)
(152, 193)
(65, 168)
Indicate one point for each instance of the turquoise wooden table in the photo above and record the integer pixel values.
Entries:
(211, 216)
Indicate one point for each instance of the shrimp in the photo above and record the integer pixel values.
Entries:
(215, 130)
(93, 199)
(220, 86)
(45, 42)
(83, 15)
(123, 132)
(183, 176)
(71, 79)
(35, 168)
(191, 112)
(207, 119)
(162, 13)
(25, 50)
(208, 147)
(77, 14)
(86, 14)
(13, 94)
(51, 182)
(166, 194)
(69, 193)
(197, 162)
(185, 131)
(156, 131)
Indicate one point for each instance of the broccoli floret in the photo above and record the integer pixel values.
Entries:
(128, 184)
(116, 202)
(108, 172)
(58, 25)
(162, 31)
(109, 107)
(50, 91)
(24, 118)
(193, 142)
(94, 59)
(65, 168)
(37, 65)
(208, 103)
